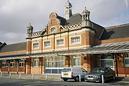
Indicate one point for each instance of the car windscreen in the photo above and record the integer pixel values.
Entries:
(98, 70)
(66, 70)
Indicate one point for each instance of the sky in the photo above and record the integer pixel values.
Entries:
(15, 15)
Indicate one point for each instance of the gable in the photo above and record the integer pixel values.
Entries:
(55, 24)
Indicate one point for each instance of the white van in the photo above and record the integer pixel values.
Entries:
(76, 73)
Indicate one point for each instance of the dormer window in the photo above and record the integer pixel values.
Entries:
(53, 30)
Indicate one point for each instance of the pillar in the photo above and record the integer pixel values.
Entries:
(67, 61)
(28, 66)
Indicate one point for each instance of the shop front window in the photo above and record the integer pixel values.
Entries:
(76, 61)
(35, 62)
(107, 61)
(54, 65)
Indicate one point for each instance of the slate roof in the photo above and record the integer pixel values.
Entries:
(99, 30)
(62, 20)
(14, 47)
(74, 19)
(119, 31)
(77, 18)
(2, 44)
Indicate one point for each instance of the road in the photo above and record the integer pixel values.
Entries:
(15, 82)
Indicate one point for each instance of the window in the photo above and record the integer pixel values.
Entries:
(21, 63)
(60, 42)
(76, 61)
(35, 45)
(75, 40)
(13, 63)
(4, 63)
(107, 61)
(53, 30)
(126, 61)
(35, 62)
(47, 44)
(54, 64)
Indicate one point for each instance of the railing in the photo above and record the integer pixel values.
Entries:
(53, 77)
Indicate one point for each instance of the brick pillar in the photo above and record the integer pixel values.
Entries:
(0, 66)
(41, 59)
(43, 67)
(67, 61)
(28, 66)
(28, 46)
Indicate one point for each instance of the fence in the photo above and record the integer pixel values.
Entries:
(54, 77)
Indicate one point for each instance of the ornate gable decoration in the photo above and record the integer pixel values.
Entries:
(53, 24)
(53, 20)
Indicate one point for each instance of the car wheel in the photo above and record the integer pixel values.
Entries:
(65, 79)
(82, 79)
(113, 77)
(76, 79)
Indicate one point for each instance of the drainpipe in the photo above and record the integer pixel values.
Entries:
(8, 62)
(25, 66)
(116, 69)
(68, 50)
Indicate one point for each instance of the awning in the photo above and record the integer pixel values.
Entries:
(122, 47)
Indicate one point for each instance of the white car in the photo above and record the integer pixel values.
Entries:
(76, 73)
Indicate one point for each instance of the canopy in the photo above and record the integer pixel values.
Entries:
(122, 47)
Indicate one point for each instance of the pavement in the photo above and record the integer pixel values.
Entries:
(24, 82)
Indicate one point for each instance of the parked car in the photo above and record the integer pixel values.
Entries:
(76, 73)
(96, 74)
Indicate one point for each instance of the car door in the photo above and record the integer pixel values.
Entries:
(106, 74)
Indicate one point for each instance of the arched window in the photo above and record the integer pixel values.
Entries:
(53, 30)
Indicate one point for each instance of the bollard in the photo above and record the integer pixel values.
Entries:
(79, 78)
(19, 75)
(9, 75)
(32, 76)
(46, 77)
(102, 79)
(1, 74)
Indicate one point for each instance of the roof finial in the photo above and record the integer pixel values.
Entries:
(68, 4)
(30, 26)
(68, 9)
(29, 23)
